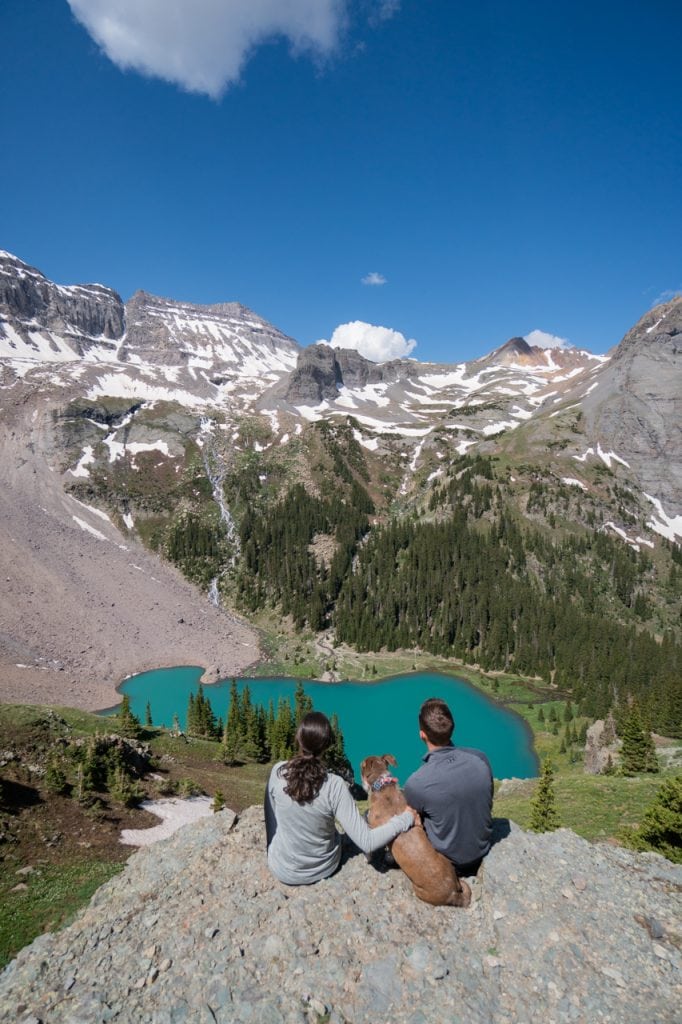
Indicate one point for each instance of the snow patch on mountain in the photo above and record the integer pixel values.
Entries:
(495, 428)
(86, 459)
(668, 526)
(371, 443)
(606, 457)
(89, 529)
(123, 385)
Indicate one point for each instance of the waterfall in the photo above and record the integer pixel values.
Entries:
(213, 595)
(215, 471)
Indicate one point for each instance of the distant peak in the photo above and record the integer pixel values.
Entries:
(5, 255)
(517, 344)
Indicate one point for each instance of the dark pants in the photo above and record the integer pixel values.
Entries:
(468, 869)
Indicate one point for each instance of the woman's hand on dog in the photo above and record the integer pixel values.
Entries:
(415, 815)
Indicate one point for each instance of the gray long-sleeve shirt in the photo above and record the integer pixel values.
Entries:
(306, 846)
(453, 791)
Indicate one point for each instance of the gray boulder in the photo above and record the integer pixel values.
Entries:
(196, 928)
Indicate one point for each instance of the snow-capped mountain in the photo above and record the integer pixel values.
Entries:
(149, 347)
(566, 407)
(128, 430)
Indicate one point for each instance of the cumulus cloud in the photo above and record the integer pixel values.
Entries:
(374, 278)
(541, 339)
(372, 342)
(202, 45)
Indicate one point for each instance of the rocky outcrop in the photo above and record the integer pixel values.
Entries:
(601, 746)
(223, 336)
(321, 370)
(317, 377)
(517, 352)
(197, 929)
(636, 409)
(79, 313)
(44, 322)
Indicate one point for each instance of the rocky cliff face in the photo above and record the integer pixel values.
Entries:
(637, 407)
(568, 415)
(43, 324)
(33, 310)
(208, 338)
(196, 929)
(321, 372)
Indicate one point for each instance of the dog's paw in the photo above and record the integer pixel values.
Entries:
(463, 897)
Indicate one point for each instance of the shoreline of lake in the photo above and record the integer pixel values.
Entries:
(478, 706)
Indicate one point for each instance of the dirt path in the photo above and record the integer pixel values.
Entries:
(81, 605)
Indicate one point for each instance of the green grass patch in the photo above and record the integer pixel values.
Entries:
(53, 897)
(597, 807)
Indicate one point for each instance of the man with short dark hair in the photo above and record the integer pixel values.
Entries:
(453, 791)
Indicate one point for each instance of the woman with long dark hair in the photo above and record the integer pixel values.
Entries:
(302, 802)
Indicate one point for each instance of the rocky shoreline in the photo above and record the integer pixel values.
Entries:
(196, 929)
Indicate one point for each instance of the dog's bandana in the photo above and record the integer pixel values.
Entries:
(384, 780)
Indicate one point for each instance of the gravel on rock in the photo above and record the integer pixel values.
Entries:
(196, 929)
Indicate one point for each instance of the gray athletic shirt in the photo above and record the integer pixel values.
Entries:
(453, 791)
(306, 846)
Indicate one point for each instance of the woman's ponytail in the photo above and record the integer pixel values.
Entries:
(305, 773)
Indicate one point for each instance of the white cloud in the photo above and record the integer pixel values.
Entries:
(372, 342)
(667, 296)
(374, 278)
(203, 45)
(541, 339)
(385, 9)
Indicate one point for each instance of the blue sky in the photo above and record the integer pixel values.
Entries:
(500, 167)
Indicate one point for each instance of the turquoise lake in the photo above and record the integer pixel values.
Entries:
(376, 718)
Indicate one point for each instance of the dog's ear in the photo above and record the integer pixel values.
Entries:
(388, 758)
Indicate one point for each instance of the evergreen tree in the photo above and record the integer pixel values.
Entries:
(129, 724)
(55, 776)
(661, 827)
(283, 732)
(191, 716)
(270, 730)
(541, 714)
(81, 792)
(123, 788)
(638, 753)
(544, 816)
(234, 734)
(335, 757)
(148, 715)
(253, 749)
(302, 704)
(94, 767)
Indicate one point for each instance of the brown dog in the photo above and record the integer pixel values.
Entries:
(432, 875)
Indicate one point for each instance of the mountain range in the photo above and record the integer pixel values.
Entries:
(225, 359)
(153, 410)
